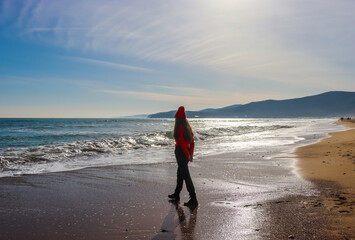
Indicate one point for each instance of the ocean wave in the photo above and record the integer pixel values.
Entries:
(82, 149)
(55, 127)
(114, 145)
(111, 148)
(235, 131)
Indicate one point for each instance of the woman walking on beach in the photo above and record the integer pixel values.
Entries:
(184, 149)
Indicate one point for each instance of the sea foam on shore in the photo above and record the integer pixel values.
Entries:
(242, 173)
(32, 146)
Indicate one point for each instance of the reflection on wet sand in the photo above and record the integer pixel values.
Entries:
(186, 222)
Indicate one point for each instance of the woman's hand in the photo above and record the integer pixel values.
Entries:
(190, 158)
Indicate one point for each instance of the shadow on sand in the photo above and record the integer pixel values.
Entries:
(186, 222)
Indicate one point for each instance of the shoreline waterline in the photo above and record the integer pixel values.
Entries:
(240, 194)
(131, 141)
(331, 160)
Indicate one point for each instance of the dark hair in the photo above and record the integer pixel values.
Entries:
(187, 130)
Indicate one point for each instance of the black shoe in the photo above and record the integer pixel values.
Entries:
(191, 202)
(174, 196)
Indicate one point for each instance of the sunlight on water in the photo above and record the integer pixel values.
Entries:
(45, 145)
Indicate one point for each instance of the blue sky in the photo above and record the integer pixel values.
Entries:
(115, 58)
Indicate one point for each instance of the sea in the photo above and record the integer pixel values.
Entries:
(37, 146)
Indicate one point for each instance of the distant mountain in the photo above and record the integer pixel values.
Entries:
(205, 113)
(329, 104)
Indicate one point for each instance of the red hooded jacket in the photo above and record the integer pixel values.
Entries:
(185, 145)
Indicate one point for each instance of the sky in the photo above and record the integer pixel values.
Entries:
(111, 58)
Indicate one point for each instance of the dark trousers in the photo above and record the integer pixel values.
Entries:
(183, 173)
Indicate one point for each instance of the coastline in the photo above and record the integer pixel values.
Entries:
(244, 195)
(130, 202)
(330, 165)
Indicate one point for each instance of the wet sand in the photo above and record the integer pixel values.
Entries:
(250, 196)
(124, 202)
(130, 202)
(330, 164)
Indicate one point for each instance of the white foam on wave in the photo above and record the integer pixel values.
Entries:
(137, 157)
(212, 136)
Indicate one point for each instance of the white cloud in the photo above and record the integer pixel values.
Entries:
(272, 40)
(156, 96)
(111, 64)
(31, 81)
(191, 97)
(52, 29)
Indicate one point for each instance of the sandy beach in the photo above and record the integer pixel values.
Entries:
(330, 163)
(131, 203)
(103, 104)
(259, 198)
